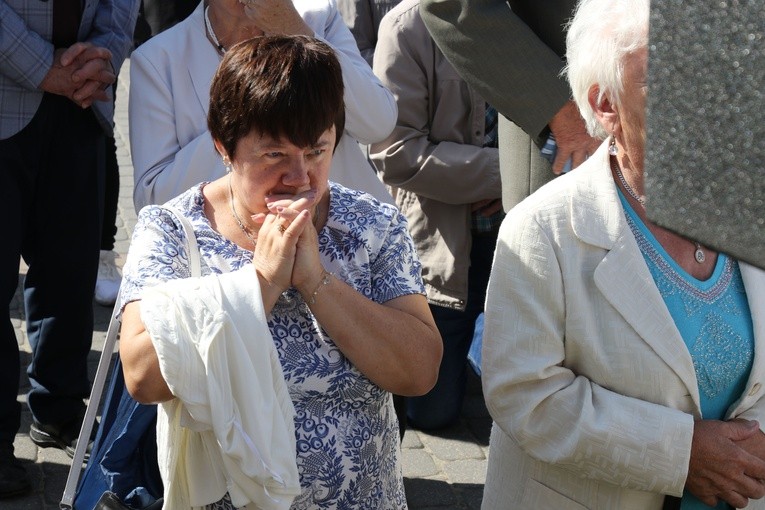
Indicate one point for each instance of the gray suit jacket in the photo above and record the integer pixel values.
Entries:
(513, 58)
(26, 53)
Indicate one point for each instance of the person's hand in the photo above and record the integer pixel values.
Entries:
(276, 17)
(571, 137)
(274, 255)
(487, 207)
(719, 468)
(307, 268)
(80, 73)
(93, 72)
(754, 444)
(58, 80)
(299, 202)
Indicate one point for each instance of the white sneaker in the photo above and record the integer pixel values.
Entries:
(109, 279)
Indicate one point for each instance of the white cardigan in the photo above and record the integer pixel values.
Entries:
(170, 78)
(230, 427)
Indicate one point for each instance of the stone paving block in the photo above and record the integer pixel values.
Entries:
(470, 471)
(411, 440)
(418, 463)
(126, 193)
(458, 444)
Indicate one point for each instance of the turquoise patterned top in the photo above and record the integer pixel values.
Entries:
(714, 320)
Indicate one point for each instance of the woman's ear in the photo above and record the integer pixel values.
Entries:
(220, 149)
(603, 108)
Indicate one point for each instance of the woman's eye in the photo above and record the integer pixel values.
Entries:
(273, 154)
(316, 152)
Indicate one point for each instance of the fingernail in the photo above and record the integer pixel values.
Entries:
(279, 209)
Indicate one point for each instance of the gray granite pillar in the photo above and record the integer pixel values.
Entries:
(705, 153)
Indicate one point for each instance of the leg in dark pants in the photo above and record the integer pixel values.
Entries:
(111, 193)
(442, 405)
(14, 185)
(62, 213)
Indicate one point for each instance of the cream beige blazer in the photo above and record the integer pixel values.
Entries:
(591, 388)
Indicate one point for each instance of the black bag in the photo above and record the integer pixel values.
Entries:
(110, 501)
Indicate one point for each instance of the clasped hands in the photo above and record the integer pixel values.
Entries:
(81, 73)
(727, 462)
(287, 251)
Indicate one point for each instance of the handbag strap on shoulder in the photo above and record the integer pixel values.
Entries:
(195, 267)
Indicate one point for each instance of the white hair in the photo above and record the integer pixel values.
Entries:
(600, 35)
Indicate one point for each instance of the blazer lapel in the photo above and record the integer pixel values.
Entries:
(754, 283)
(623, 277)
(203, 59)
(626, 283)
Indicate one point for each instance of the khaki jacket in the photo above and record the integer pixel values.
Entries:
(434, 158)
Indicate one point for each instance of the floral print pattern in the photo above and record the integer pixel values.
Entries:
(346, 429)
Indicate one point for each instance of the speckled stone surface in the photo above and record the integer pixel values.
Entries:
(705, 154)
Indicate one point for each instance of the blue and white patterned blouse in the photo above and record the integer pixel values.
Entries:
(346, 429)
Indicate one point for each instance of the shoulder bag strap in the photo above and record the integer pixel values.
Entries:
(195, 267)
(75, 470)
(104, 363)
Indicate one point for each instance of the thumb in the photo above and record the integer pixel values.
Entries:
(739, 430)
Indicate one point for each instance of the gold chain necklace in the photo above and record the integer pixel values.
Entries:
(245, 229)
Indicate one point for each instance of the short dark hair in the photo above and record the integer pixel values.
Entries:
(282, 86)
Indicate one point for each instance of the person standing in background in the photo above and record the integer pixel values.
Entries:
(363, 19)
(154, 16)
(442, 161)
(57, 60)
(169, 86)
(163, 14)
(512, 53)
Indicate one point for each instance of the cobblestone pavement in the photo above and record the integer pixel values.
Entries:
(443, 470)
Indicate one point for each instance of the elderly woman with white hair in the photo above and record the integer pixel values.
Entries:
(622, 361)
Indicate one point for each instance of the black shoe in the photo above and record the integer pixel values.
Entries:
(13, 476)
(61, 437)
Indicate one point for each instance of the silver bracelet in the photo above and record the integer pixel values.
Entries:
(325, 278)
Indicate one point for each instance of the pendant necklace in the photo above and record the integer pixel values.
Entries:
(699, 254)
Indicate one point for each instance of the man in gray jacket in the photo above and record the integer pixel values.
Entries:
(511, 52)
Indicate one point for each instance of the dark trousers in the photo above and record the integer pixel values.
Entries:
(51, 187)
(441, 406)
(111, 190)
